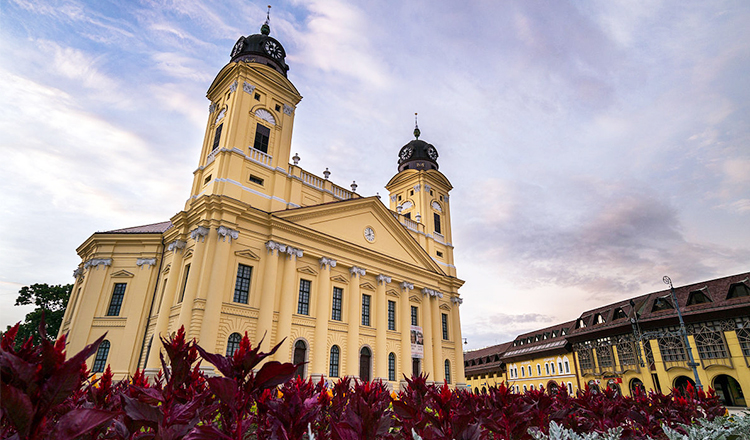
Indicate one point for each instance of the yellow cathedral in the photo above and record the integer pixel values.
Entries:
(354, 288)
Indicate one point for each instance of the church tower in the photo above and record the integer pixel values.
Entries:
(419, 193)
(246, 146)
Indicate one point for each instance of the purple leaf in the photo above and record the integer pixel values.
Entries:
(204, 432)
(79, 421)
(141, 411)
(222, 363)
(274, 373)
(224, 388)
(18, 407)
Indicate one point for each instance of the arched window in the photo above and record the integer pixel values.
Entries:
(447, 371)
(570, 388)
(300, 354)
(567, 365)
(392, 367)
(101, 357)
(529, 370)
(365, 357)
(333, 369)
(233, 343)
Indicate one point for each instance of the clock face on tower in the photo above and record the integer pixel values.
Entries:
(432, 152)
(369, 234)
(405, 153)
(273, 49)
(238, 46)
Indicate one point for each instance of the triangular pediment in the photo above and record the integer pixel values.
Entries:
(367, 286)
(188, 254)
(308, 270)
(167, 268)
(365, 223)
(122, 274)
(445, 307)
(392, 292)
(247, 253)
(339, 279)
(415, 298)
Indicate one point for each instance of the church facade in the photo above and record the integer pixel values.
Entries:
(352, 287)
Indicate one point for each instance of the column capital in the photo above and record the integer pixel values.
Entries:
(354, 270)
(77, 272)
(177, 244)
(383, 279)
(405, 285)
(327, 263)
(97, 262)
(433, 293)
(457, 301)
(199, 233)
(225, 233)
(294, 252)
(145, 262)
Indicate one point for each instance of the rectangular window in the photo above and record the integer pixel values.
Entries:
(303, 305)
(391, 315)
(336, 307)
(408, 215)
(184, 283)
(437, 222)
(366, 310)
(242, 285)
(414, 312)
(445, 326)
(262, 134)
(217, 137)
(117, 296)
(255, 179)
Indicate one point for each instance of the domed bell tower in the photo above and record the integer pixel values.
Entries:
(247, 142)
(419, 193)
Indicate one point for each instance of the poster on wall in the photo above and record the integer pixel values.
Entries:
(417, 342)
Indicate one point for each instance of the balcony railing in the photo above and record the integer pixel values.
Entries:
(260, 156)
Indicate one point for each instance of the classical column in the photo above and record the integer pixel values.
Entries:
(96, 274)
(216, 291)
(322, 315)
(381, 324)
(352, 341)
(437, 337)
(191, 287)
(458, 357)
(268, 291)
(286, 305)
(153, 364)
(405, 329)
(428, 362)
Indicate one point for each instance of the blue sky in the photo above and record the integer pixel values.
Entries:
(593, 146)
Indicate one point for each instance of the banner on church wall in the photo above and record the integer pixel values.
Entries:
(417, 342)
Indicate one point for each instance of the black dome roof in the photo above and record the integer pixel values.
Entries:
(418, 155)
(261, 48)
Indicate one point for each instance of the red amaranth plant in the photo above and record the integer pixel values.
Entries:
(36, 381)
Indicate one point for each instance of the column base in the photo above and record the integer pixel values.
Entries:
(208, 371)
(463, 386)
(316, 377)
(402, 384)
(151, 373)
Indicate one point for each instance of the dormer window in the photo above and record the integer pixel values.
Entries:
(262, 134)
(699, 296)
(662, 303)
(619, 314)
(738, 290)
(599, 319)
(580, 323)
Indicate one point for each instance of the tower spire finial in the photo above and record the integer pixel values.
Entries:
(416, 127)
(266, 28)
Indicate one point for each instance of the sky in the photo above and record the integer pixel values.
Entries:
(593, 147)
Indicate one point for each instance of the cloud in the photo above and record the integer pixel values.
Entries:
(496, 328)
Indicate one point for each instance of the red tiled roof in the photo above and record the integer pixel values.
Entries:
(154, 228)
(485, 359)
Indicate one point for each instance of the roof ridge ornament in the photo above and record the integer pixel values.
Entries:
(416, 128)
(266, 28)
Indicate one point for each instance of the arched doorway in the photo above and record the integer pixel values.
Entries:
(365, 358)
(729, 390)
(681, 383)
(636, 384)
(300, 354)
(614, 386)
(552, 388)
(593, 386)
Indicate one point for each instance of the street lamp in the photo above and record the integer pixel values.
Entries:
(692, 364)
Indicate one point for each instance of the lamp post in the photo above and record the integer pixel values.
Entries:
(692, 364)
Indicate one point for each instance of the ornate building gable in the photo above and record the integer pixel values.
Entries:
(365, 223)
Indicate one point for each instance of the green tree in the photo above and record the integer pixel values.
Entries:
(50, 300)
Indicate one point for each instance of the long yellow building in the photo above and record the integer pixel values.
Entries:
(635, 343)
(354, 288)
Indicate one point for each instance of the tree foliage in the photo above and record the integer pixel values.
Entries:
(48, 300)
